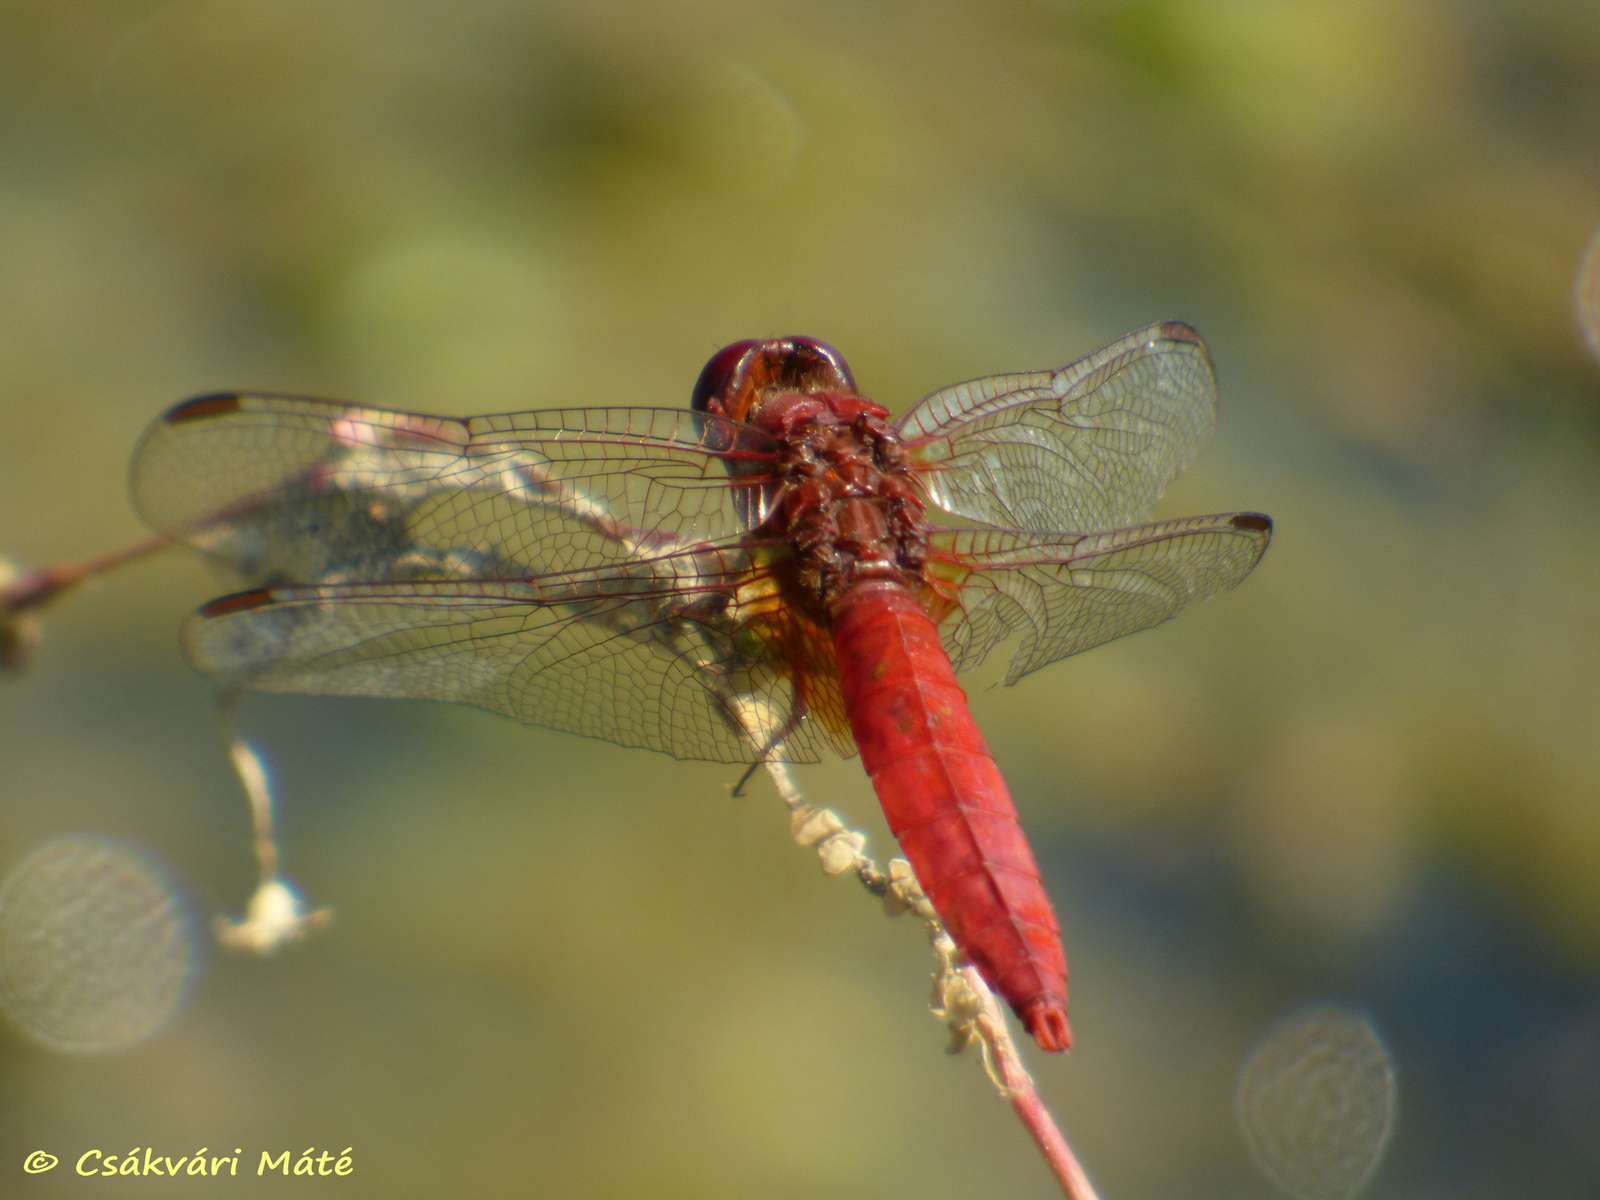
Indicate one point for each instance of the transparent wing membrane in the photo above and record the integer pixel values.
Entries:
(1090, 446)
(293, 489)
(623, 655)
(1065, 593)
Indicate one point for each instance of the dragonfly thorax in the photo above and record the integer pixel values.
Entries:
(841, 495)
(846, 501)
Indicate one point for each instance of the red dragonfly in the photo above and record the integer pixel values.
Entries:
(753, 578)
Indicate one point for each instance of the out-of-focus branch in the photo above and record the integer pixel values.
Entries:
(961, 998)
(19, 628)
(276, 915)
(23, 593)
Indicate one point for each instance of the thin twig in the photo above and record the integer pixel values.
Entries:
(31, 589)
(252, 773)
(961, 998)
(22, 593)
(276, 915)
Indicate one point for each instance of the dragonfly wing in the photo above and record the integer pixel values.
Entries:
(582, 653)
(1090, 446)
(1068, 592)
(295, 489)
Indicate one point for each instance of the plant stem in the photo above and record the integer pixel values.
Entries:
(32, 589)
(962, 998)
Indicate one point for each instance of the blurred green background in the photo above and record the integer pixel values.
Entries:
(560, 968)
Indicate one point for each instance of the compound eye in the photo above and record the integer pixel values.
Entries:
(711, 389)
(834, 359)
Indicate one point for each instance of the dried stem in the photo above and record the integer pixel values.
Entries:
(960, 996)
(33, 589)
(276, 915)
(23, 592)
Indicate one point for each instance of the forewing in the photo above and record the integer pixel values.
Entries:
(606, 654)
(1090, 446)
(1067, 592)
(295, 489)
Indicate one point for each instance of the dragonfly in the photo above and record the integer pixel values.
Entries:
(780, 570)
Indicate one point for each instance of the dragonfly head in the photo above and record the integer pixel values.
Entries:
(738, 377)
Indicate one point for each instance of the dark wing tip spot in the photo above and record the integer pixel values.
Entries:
(1259, 522)
(1181, 331)
(203, 406)
(238, 602)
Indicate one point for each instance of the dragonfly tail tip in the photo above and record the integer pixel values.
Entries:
(1046, 1020)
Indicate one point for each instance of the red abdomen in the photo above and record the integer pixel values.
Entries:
(946, 802)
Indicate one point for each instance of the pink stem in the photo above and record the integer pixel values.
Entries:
(38, 587)
(1016, 1086)
(822, 829)
(1041, 1126)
